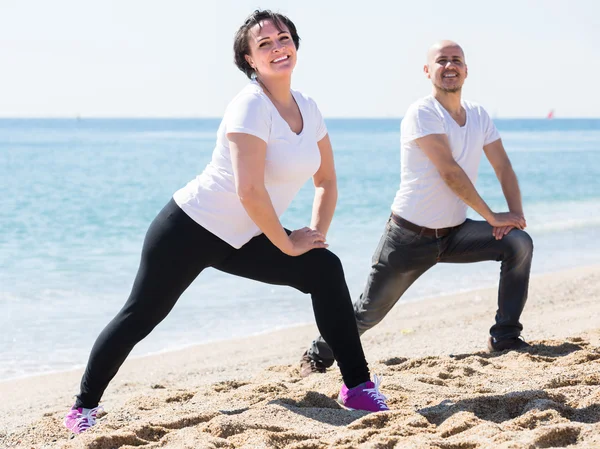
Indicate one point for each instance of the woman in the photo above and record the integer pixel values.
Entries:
(271, 140)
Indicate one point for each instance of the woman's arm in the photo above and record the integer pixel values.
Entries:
(325, 182)
(248, 160)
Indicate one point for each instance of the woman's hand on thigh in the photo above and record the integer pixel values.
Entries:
(304, 240)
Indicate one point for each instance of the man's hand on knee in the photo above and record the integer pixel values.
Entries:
(500, 231)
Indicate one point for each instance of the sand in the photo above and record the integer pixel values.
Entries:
(445, 391)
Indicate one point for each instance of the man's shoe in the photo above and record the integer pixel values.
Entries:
(309, 366)
(509, 344)
(363, 397)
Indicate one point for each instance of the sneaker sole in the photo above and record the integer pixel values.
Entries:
(343, 406)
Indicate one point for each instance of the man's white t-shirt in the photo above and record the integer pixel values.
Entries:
(423, 197)
(291, 159)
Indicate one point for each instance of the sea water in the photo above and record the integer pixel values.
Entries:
(77, 196)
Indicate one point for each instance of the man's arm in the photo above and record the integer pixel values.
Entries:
(437, 148)
(500, 162)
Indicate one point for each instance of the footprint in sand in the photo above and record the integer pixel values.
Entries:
(228, 385)
(557, 436)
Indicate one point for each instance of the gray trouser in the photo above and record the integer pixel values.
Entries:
(403, 255)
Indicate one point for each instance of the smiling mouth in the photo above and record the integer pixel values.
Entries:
(450, 75)
(280, 59)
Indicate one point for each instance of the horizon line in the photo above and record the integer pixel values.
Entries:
(196, 117)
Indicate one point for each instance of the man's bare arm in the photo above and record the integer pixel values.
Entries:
(500, 162)
(437, 148)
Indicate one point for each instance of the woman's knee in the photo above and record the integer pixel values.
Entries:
(322, 267)
(142, 317)
(327, 263)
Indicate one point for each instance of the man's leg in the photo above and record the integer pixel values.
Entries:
(473, 242)
(400, 258)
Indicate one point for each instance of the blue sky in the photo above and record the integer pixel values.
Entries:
(173, 58)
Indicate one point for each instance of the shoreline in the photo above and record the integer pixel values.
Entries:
(198, 345)
(421, 348)
(80, 367)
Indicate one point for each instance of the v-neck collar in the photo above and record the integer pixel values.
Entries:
(450, 115)
(275, 107)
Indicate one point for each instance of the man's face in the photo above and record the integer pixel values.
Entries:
(446, 68)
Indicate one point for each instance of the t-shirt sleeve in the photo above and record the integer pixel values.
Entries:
(420, 121)
(490, 130)
(321, 129)
(248, 114)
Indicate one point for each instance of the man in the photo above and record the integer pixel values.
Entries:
(442, 138)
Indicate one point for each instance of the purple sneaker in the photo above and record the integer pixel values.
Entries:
(80, 419)
(363, 397)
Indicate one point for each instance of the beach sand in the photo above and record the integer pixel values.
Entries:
(444, 390)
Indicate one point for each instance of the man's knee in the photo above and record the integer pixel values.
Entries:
(519, 243)
(367, 320)
(369, 311)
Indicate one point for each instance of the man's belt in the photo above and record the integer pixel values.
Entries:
(428, 232)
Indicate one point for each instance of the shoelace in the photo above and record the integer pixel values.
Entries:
(375, 393)
(86, 421)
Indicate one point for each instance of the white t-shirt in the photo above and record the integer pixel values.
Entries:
(423, 197)
(211, 200)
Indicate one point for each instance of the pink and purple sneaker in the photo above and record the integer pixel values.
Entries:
(81, 419)
(365, 396)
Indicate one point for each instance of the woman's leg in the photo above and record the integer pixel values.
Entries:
(401, 257)
(176, 249)
(320, 273)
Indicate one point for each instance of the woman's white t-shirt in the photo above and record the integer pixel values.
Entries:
(291, 159)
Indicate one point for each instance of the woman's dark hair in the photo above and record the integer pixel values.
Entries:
(241, 48)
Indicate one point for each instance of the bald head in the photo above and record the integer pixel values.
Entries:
(446, 67)
(443, 46)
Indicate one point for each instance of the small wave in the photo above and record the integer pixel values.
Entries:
(173, 135)
(565, 225)
(563, 215)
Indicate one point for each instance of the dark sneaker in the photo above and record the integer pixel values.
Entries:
(309, 366)
(363, 397)
(510, 344)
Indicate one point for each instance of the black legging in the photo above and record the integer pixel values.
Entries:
(176, 250)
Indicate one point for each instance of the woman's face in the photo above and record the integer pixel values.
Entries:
(272, 52)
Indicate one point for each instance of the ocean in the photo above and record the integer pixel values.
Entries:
(77, 196)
